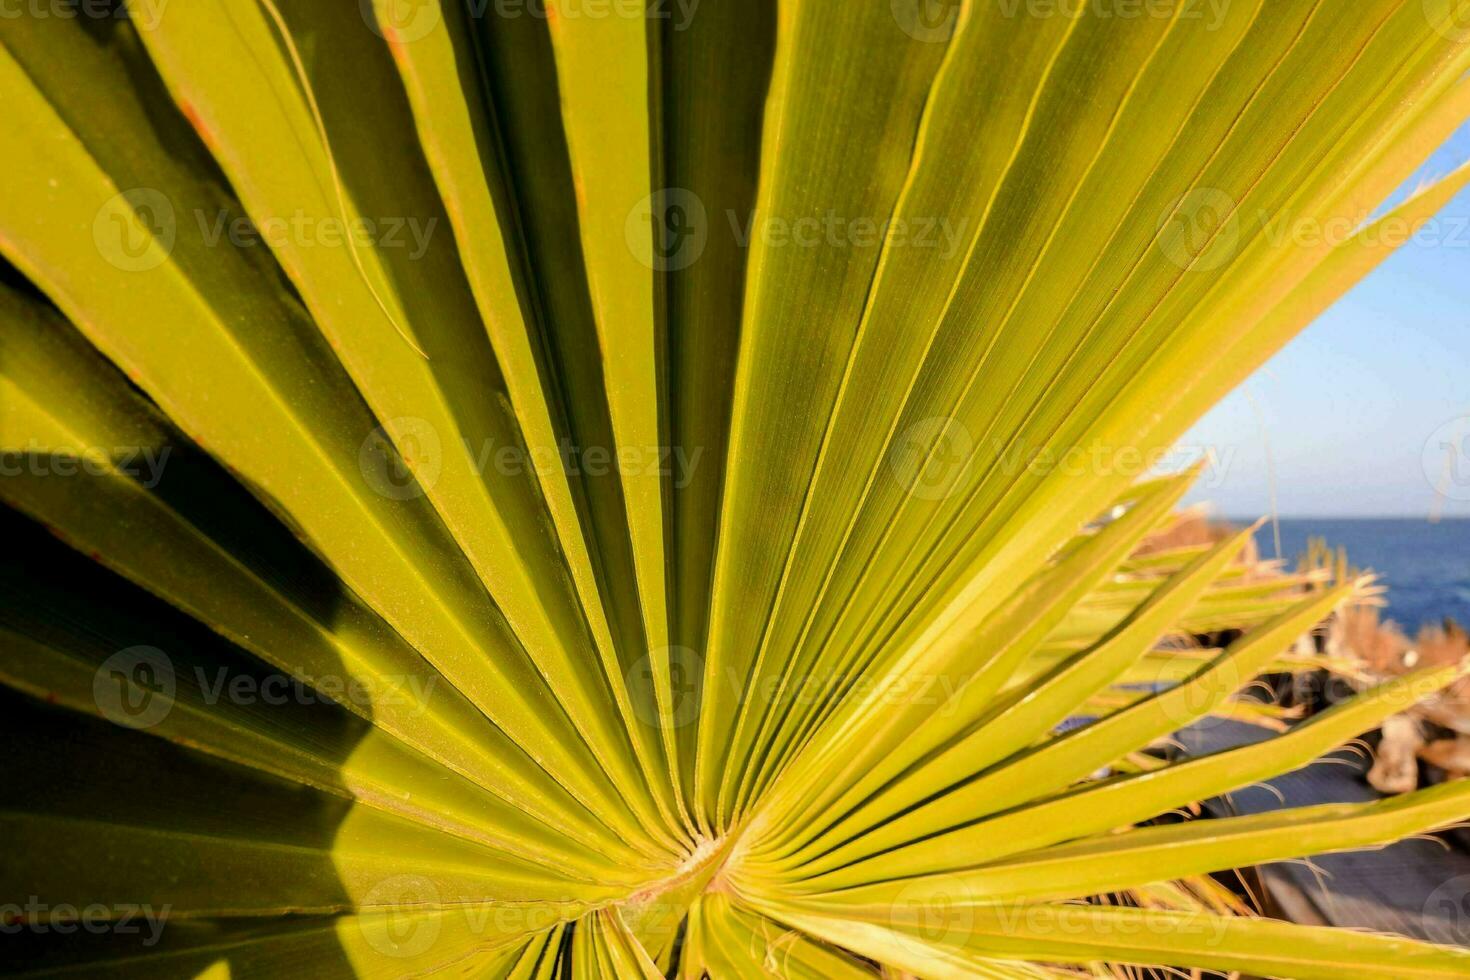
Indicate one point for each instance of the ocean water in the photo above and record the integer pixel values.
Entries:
(1425, 566)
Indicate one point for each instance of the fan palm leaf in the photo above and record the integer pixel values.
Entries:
(613, 490)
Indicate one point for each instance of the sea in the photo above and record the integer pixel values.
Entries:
(1425, 566)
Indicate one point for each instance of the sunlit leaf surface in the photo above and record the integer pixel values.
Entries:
(632, 489)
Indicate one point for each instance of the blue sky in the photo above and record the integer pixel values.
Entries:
(1347, 408)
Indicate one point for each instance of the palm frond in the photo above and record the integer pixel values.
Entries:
(633, 490)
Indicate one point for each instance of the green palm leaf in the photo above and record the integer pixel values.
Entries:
(629, 489)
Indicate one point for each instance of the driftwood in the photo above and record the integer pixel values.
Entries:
(1375, 649)
(1450, 754)
(1385, 651)
(1396, 767)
